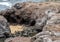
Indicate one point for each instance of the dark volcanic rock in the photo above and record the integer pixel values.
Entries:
(27, 14)
(35, 17)
(31, 15)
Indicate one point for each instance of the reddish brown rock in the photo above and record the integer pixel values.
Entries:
(18, 39)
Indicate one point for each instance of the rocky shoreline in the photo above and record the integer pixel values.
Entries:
(41, 21)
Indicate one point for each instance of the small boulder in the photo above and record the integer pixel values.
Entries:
(4, 27)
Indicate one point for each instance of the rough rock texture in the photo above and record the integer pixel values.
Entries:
(53, 24)
(4, 27)
(18, 39)
(51, 31)
(36, 16)
(31, 14)
(26, 14)
(46, 36)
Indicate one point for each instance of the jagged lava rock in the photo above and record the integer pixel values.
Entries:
(29, 13)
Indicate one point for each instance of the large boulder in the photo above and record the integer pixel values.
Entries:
(31, 15)
(27, 14)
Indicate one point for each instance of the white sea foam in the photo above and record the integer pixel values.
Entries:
(5, 0)
(6, 4)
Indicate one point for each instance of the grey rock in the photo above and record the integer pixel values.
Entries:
(53, 24)
(4, 26)
(42, 37)
(51, 31)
